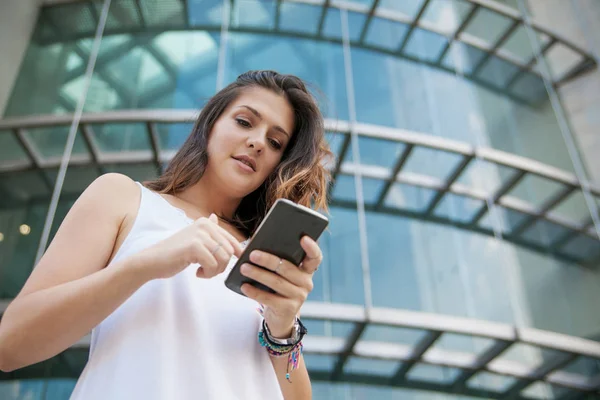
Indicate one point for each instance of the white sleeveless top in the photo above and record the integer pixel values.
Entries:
(177, 338)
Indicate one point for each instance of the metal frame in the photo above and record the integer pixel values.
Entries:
(522, 168)
(375, 10)
(432, 328)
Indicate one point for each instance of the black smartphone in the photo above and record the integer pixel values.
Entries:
(279, 233)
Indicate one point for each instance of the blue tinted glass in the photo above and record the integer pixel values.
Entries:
(172, 136)
(529, 87)
(458, 208)
(121, 137)
(254, 13)
(488, 25)
(586, 366)
(446, 15)
(335, 141)
(535, 190)
(192, 57)
(425, 45)
(582, 247)
(392, 334)
(366, 3)
(433, 373)
(344, 188)
(333, 25)
(326, 327)
(371, 189)
(497, 72)
(205, 12)
(319, 362)
(377, 152)
(341, 267)
(508, 219)
(489, 381)
(385, 33)
(544, 233)
(392, 262)
(390, 91)
(462, 57)
(424, 161)
(407, 7)
(318, 63)
(50, 142)
(407, 197)
(299, 17)
(356, 365)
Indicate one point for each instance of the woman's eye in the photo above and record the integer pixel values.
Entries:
(275, 144)
(243, 123)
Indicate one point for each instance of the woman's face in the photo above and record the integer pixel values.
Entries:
(248, 140)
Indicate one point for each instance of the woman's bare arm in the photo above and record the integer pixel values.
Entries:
(70, 291)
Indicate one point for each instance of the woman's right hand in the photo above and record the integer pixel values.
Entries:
(204, 242)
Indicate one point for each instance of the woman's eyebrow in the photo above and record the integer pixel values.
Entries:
(258, 115)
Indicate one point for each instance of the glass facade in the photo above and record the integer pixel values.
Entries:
(457, 191)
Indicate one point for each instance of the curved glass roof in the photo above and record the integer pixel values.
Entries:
(481, 40)
(417, 350)
(151, 137)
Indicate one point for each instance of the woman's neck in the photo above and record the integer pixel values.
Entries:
(208, 199)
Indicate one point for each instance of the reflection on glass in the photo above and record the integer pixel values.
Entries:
(392, 334)
(254, 13)
(446, 15)
(489, 381)
(333, 26)
(113, 138)
(37, 389)
(319, 362)
(172, 136)
(435, 163)
(204, 12)
(10, 148)
(356, 365)
(297, 17)
(340, 275)
(407, 197)
(433, 373)
(407, 8)
(385, 33)
(21, 225)
(458, 208)
(321, 64)
(137, 172)
(425, 45)
(488, 26)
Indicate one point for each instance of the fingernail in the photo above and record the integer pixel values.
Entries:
(255, 256)
(245, 268)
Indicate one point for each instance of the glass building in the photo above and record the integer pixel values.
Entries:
(463, 254)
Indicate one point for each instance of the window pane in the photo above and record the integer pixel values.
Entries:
(385, 33)
(321, 64)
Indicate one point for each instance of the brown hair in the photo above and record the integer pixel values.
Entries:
(301, 175)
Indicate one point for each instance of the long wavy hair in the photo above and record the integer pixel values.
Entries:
(301, 176)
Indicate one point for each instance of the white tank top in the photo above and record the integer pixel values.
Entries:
(177, 338)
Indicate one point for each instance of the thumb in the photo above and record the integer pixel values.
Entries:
(213, 218)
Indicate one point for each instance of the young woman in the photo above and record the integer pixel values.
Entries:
(142, 266)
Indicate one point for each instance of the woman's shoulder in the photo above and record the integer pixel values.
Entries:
(115, 191)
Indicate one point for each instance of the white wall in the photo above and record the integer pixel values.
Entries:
(17, 21)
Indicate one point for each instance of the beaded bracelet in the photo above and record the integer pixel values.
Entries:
(293, 352)
(276, 350)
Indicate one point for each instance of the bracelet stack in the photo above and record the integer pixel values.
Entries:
(276, 350)
(292, 348)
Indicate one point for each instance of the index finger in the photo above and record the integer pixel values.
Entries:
(237, 247)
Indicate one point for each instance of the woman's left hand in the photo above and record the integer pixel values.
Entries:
(291, 283)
